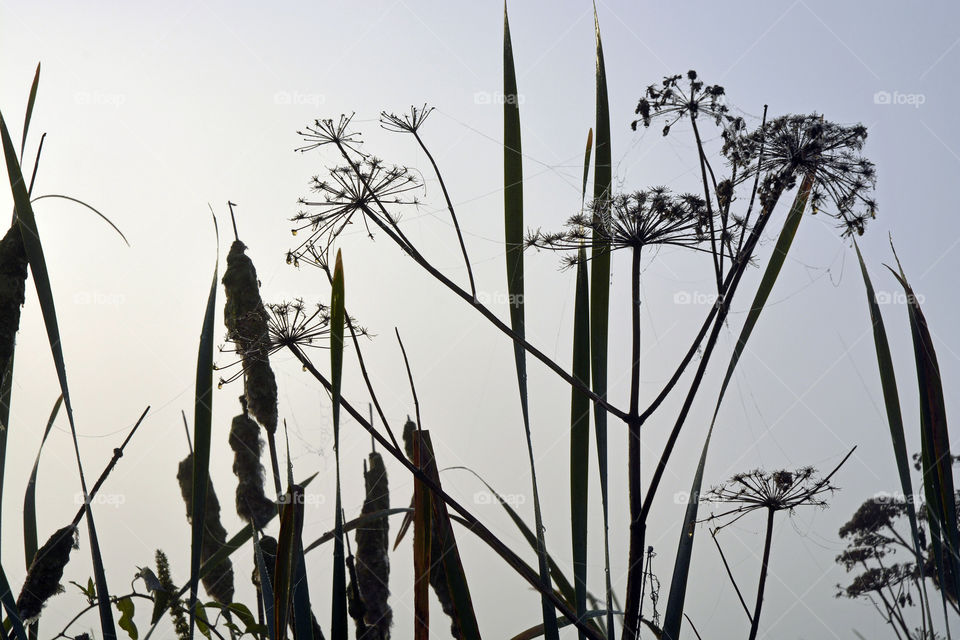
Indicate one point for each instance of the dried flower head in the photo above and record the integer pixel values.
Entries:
(166, 598)
(46, 570)
(408, 122)
(246, 321)
(367, 187)
(794, 146)
(654, 217)
(674, 102)
(219, 580)
(324, 132)
(777, 491)
(253, 505)
(13, 278)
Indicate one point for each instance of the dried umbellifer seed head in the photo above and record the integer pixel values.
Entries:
(246, 321)
(252, 503)
(43, 578)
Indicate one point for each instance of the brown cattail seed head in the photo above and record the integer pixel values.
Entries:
(252, 503)
(246, 321)
(219, 581)
(13, 277)
(373, 559)
(43, 578)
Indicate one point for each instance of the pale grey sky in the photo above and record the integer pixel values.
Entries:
(154, 110)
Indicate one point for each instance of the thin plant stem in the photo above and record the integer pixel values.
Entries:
(635, 579)
(764, 566)
(726, 565)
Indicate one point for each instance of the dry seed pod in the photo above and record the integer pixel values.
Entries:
(219, 581)
(246, 321)
(252, 503)
(13, 277)
(43, 578)
(373, 546)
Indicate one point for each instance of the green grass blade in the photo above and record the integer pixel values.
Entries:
(600, 295)
(935, 448)
(8, 602)
(466, 617)
(288, 558)
(580, 436)
(673, 617)
(338, 625)
(203, 409)
(513, 237)
(266, 588)
(29, 115)
(30, 544)
(891, 401)
(41, 279)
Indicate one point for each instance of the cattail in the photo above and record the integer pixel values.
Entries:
(218, 581)
(373, 559)
(355, 606)
(246, 321)
(252, 503)
(166, 598)
(13, 278)
(43, 578)
(268, 549)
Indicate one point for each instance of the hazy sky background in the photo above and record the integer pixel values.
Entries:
(155, 110)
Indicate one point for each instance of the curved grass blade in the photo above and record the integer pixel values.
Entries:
(41, 278)
(537, 630)
(513, 236)
(891, 401)
(935, 445)
(90, 207)
(338, 625)
(203, 407)
(600, 296)
(30, 543)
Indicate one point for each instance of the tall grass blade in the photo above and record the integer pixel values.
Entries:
(891, 401)
(600, 296)
(465, 618)
(580, 436)
(338, 625)
(935, 447)
(422, 516)
(31, 240)
(29, 114)
(513, 236)
(288, 558)
(30, 543)
(13, 614)
(203, 406)
(266, 585)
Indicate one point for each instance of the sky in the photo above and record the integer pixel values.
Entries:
(156, 112)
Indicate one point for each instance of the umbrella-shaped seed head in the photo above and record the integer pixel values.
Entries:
(43, 578)
(246, 321)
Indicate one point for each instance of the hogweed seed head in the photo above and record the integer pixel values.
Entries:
(673, 102)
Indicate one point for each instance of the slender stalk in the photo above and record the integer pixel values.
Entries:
(726, 565)
(508, 555)
(755, 623)
(635, 579)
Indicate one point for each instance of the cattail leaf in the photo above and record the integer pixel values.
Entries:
(935, 447)
(600, 294)
(891, 401)
(580, 435)
(41, 278)
(358, 523)
(447, 577)
(88, 206)
(203, 406)
(339, 615)
(291, 529)
(537, 630)
(13, 614)
(29, 114)
(422, 518)
(30, 498)
(127, 609)
(513, 237)
(266, 579)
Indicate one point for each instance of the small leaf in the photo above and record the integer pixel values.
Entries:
(127, 609)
